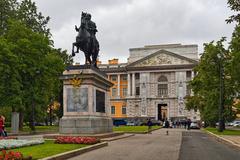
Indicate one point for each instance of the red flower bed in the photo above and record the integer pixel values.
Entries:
(76, 140)
(11, 155)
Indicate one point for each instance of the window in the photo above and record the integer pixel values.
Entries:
(114, 78)
(189, 74)
(114, 92)
(162, 86)
(137, 91)
(124, 77)
(162, 89)
(124, 92)
(124, 110)
(162, 79)
(112, 109)
(137, 76)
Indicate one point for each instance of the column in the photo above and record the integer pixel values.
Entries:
(118, 86)
(133, 85)
(129, 85)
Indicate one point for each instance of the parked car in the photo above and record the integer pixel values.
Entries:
(154, 122)
(194, 125)
(131, 124)
(236, 123)
(119, 122)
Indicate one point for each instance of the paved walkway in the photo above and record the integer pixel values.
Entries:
(234, 139)
(201, 146)
(153, 146)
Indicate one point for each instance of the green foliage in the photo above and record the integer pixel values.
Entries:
(28, 14)
(225, 132)
(194, 102)
(234, 66)
(30, 66)
(10, 79)
(24, 11)
(6, 112)
(234, 6)
(8, 10)
(206, 85)
(31, 70)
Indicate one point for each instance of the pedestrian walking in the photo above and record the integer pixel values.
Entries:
(188, 124)
(2, 121)
(149, 124)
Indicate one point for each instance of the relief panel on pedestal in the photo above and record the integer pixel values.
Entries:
(77, 99)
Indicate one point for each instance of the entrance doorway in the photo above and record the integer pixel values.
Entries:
(162, 112)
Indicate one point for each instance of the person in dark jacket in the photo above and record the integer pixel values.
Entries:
(149, 124)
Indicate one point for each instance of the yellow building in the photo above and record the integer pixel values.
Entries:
(118, 92)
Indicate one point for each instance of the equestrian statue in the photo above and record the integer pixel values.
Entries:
(86, 40)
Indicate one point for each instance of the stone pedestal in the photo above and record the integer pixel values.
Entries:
(86, 105)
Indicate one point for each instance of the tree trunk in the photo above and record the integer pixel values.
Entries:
(21, 117)
(32, 117)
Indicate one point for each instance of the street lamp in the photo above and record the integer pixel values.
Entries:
(221, 93)
(33, 103)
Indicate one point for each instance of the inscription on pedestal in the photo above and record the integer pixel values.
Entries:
(77, 100)
(100, 101)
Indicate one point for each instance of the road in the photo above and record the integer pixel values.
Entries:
(180, 144)
(200, 146)
(155, 146)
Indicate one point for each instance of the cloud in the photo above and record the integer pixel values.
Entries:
(124, 24)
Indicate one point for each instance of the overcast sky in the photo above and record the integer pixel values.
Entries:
(124, 24)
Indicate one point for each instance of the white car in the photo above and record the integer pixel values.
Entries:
(194, 125)
(236, 123)
(130, 124)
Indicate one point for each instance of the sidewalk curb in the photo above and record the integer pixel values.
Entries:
(69, 154)
(116, 138)
(145, 132)
(223, 140)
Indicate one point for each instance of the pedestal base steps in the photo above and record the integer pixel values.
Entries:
(85, 125)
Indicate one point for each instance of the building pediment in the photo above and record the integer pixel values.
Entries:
(162, 57)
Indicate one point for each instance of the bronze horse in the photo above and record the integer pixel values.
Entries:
(86, 40)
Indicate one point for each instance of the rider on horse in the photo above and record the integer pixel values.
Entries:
(87, 41)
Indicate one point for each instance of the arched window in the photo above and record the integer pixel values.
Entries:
(162, 86)
(162, 79)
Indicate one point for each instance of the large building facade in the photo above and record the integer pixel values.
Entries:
(153, 83)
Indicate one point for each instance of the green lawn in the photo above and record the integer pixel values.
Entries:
(38, 129)
(49, 148)
(225, 132)
(134, 128)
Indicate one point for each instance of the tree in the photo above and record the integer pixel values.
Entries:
(206, 86)
(25, 34)
(34, 67)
